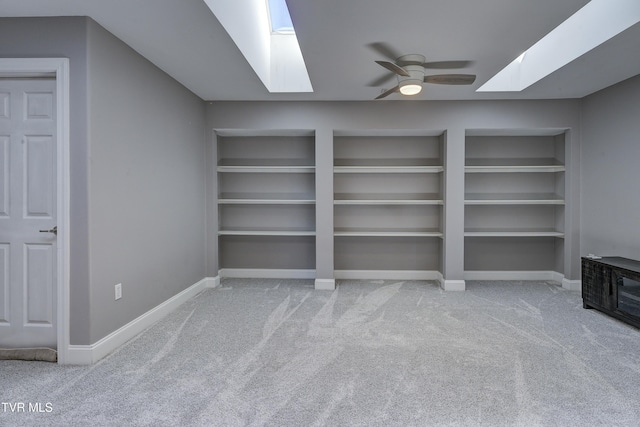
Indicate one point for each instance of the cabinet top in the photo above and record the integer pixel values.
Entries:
(619, 262)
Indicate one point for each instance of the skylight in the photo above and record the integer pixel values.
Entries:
(594, 24)
(279, 17)
(266, 38)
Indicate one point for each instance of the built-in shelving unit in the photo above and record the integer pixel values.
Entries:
(380, 210)
(514, 201)
(388, 198)
(266, 200)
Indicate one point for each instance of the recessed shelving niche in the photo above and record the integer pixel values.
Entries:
(266, 200)
(388, 202)
(514, 201)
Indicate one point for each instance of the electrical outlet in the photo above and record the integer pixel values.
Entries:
(118, 291)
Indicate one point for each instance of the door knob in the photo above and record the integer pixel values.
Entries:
(54, 230)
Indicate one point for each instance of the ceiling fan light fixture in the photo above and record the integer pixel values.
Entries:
(412, 84)
(410, 72)
(410, 87)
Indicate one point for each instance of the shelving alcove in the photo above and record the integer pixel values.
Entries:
(514, 204)
(388, 204)
(266, 203)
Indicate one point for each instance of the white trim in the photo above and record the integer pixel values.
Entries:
(513, 275)
(267, 273)
(572, 285)
(78, 355)
(213, 282)
(453, 285)
(387, 274)
(325, 284)
(89, 354)
(556, 277)
(59, 66)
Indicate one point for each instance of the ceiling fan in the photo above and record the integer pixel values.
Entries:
(410, 71)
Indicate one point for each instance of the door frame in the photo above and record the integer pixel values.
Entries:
(28, 67)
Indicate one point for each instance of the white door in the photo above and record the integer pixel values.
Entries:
(28, 275)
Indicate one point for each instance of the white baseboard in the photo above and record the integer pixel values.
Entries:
(325, 284)
(453, 285)
(513, 275)
(79, 355)
(89, 354)
(556, 277)
(387, 275)
(266, 273)
(213, 282)
(572, 285)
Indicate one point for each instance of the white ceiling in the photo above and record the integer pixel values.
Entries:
(183, 38)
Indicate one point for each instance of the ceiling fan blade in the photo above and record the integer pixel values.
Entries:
(447, 65)
(387, 93)
(385, 50)
(394, 68)
(450, 79)
(381, 80)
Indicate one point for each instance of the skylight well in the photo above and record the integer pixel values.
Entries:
(264, 33)
(594, 24)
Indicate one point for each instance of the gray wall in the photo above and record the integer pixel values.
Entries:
(67, 38)
(146, 184)
(610, 172)
(137, 173)
(452, 118)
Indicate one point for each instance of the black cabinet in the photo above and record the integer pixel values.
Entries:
(612, 285)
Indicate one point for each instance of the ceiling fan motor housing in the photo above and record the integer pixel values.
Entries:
(413, 59)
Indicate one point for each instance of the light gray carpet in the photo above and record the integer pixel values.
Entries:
(278, 353)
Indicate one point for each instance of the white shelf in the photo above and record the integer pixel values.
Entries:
(265, 202)
(514, 165)
(388, 169)
(265, 199)
(267, 169)
(387, 233)
(266, 232)
(513, 233)
(513, 199)
(276, 162)
(383, 162)
(387, 199)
